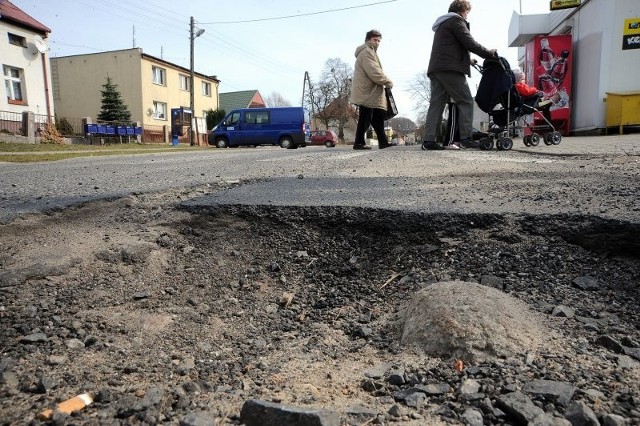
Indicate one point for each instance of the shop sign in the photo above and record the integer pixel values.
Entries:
(631, 34)
(563, 4)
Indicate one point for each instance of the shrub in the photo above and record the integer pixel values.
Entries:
(64, 127)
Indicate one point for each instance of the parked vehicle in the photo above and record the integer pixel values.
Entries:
(323, 137)
(285, 126)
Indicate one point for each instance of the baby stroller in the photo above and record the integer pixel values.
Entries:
(497, 86)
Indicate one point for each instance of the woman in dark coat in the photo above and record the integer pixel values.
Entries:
(449, 66)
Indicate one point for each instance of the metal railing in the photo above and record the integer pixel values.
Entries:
(153, 134)
(11, 122)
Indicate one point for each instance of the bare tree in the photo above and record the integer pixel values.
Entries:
(420, 91)
(275, 99)
(330, 96)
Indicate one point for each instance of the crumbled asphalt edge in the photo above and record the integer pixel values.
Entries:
(353, 252)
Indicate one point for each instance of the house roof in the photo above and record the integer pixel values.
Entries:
(11, 13)
(241, 99)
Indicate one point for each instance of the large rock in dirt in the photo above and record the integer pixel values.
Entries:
(471, 322)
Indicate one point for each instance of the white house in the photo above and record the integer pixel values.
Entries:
(606, 53)
(25, 63)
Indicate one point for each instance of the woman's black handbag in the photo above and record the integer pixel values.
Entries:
(392, 109)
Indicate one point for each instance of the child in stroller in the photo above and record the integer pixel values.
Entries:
(530, 95)
(498, 86)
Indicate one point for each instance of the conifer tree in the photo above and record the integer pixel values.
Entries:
(113, 108)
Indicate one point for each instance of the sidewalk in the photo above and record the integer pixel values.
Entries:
(585, 145)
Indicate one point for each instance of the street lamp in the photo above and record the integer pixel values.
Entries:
(192, 37)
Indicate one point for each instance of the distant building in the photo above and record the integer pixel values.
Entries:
(149, 86)
(25, 64)
(241, 99)
(605, 53)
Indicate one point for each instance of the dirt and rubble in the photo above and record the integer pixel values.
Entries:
(167, 314)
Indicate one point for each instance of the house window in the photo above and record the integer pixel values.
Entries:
(14, 85)
(206, 88)
(159, 75)
(17, 40)
(159, 110)
(185, 82)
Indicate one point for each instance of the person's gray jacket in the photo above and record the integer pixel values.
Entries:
(367, 87)
(452, 43)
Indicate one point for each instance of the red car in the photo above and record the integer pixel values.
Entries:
(323, 137)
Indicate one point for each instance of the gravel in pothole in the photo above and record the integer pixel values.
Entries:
(375, 316)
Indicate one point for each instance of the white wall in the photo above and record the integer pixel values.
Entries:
(588, 33)
(31, 61)
(600, 65)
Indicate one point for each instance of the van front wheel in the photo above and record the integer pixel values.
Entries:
(286, 142)
(222, 143)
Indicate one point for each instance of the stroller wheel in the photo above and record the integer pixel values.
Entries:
(527, 140)
(535, 139)
(505, 144)
(486, 144)
(556, 137)
(548, 139)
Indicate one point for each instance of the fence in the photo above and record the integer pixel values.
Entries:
(11, 122)
(154, 134)
(67, 126)
(14, 123)
(31, 126)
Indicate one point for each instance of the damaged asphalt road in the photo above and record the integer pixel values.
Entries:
(225, 286)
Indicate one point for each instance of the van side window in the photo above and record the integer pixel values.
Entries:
(233, 119)
(261, 117)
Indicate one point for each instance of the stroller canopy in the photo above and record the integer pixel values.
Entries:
(497, 80)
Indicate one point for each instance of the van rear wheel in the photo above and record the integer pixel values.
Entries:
(286, 142)
(222, 143)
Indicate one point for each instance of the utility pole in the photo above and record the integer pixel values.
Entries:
(191, 75)
(192, 36)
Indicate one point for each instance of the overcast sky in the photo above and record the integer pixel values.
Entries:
(282, 40)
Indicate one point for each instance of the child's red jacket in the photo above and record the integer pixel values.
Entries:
(524, 90)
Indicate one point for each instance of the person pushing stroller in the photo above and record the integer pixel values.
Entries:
(449, 66)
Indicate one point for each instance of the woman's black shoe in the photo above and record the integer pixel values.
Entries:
(361, 147)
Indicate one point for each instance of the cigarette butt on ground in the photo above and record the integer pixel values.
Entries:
(69, 406)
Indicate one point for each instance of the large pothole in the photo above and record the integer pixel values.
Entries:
(304, 306)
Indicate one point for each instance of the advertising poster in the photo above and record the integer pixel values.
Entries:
(548, 66)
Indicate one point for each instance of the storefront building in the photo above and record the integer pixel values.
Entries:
(596, 57)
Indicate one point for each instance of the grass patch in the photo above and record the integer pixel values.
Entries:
(30, 153)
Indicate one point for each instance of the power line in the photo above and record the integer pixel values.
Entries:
(298, 15)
